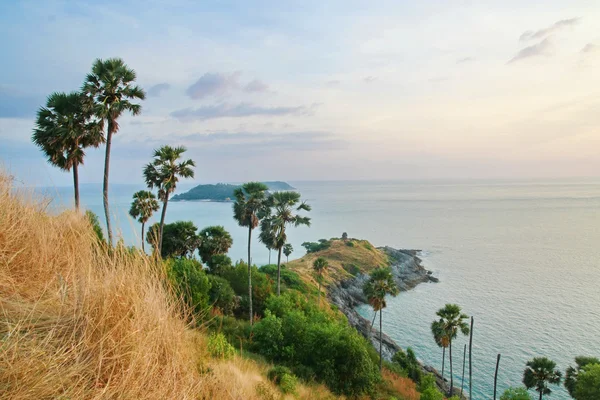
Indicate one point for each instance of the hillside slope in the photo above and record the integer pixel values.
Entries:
(78, 322)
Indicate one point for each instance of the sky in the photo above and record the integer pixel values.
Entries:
(318, 90)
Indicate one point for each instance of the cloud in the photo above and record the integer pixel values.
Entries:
(465, 60)
(538, 49)
(256, 86)
(224, 110)
(590, 48)
(370, 79)
(156, 90)
(543, 33)
(213, 84)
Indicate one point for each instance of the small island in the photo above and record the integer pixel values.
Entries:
(223, 191)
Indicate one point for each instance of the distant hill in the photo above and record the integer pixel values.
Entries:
(223, 191)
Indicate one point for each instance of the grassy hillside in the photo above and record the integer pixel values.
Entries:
(78, 322)
(345, 258)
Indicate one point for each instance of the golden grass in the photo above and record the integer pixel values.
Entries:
(79, 323)
(405, 387)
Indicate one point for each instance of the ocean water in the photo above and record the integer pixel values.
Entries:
(522, 257)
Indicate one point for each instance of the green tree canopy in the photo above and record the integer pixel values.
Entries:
(573, 372)
(214, 240)
(288, 249)
(518, 393)
(539, 373)
(588, 383)
(144, 204)
(180, 239)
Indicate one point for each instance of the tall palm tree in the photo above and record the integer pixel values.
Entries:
(144, 204)
(380, 283)
(249, 202)
(540, 372)
(284, 208)
(287, 250)
(452, 320)
(441, 339)
(319, 266)
(63, 129)
(163, 173)
(111, 87)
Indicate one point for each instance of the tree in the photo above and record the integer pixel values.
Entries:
(441, 339)
(519, 393)
(63, 129)
(451, 322)
(249, 204)
(144, 204)
(344, 236)
(214, 240)
(111, 88)
(573, 372)
(540, 372)
(319, 266)
(588, 383)
(163, 173)
(284, 208)
(287, 250)
(380, 283)
(180, 239)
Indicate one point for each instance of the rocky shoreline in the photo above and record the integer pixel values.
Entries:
(408, 272)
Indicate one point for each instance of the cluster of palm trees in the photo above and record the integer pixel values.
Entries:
(274, 213)
(72, 122)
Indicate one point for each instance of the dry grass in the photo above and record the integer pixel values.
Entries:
(405, 387)
(79, 323)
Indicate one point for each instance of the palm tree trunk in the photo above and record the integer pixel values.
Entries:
(279, 271)
(451, 374)
(462, 385)
(287, 259)
(496, 375)
(143, 249)
(541, 394)
(372, 322)
(250, 273)
(471, 361)
(109, 134)
(162, 223)
(76, 185)
(380, 341)
(443, 361)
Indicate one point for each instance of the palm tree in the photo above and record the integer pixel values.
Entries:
(249, 202)
(441, 339)
(163, 173)
(110, 86)
(63, 129)
(144, 204)
(380, 283)
(451, 321)
(214, 240)
(284, 208)
(287, 250)
(319, 266)
(540, 372)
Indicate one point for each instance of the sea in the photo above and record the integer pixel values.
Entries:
(521, 257)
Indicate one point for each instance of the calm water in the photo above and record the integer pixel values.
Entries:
(523, 258)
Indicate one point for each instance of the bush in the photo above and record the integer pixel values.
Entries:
(277, 372)
(219, 264)
(190, 283)
(519, 393)
(288, 384)
(352, 269)
(368, 246)
(313, 247)
(289, 278)
(350, 244)
(408, 362)
(221, 294)
(218, 346)
(427, 382)
(95, 222)
(262, 288)
(431, 394)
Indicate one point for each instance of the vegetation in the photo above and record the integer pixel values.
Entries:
(539, 373)
(320, 265)
(250, 203)
(95, 224)
(110, 88)
(288, 249)
(180, 239)
(516, 394)
(144, 204)
(408, 362)
(380, 284)
(441, 339)
(163, 173)
(223, 191)
(64, 128)
(572, 373)
(314, 247)
(588, 383)
(214, 240)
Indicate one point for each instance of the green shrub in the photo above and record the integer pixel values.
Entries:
(431, 394)
(277, 372)
(368, 246)
(95, 223)
(350, 243)
(219, 264)
(268, 336)
(190, 282)
(408, 362)
(352, 269)
(289, 278)
(313, 247)
(218, 346)
(288, 384)
(519, 393)
(427, 382)
(221, 294)
(262, 288)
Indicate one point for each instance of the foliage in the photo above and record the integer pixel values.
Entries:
(295, 332)
(179, 239)
(288, 249)
(219, 264)
(431, 394)
(95, 223)
(408, 362)
(190, 283)
(573, 372)
(223, 191)
(518, 393)
(380, 283)
(352, 269)
(144, 204)
(344, 236)
(214, 240)
(540, 372)
(427, 382)
(221, 294)
(289, 278)
(288, 384)
(588, 383)
(219, 347)
(350, 243)
(262, 287)
(313, 247)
